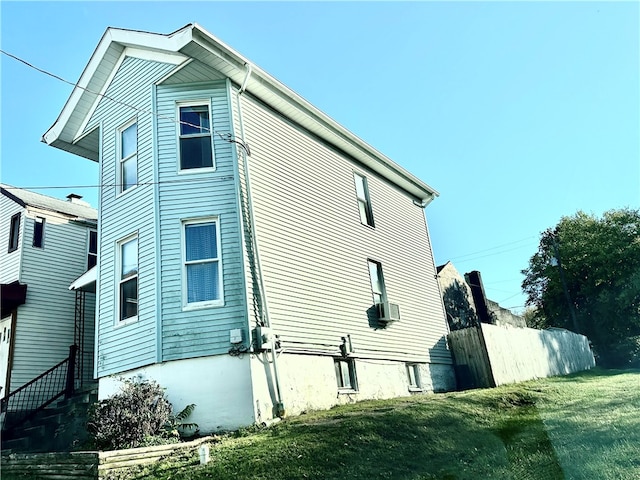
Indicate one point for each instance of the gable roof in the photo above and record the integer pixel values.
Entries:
(190, 43)
(28, 198)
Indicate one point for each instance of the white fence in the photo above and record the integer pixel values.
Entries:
(495, 355)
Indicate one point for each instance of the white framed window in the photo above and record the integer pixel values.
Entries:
(92, 249)
(195, 136)
(128, 156)
(378, 289)
(14, 233)
(346, 374)
(413, 376)
(38, 232)
(202, 271)
(127, 276)
(364, 202)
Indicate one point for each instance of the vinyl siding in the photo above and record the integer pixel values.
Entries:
(10, 264)
(45, 323)
(183, 196)
(123, 347)
(314, 249)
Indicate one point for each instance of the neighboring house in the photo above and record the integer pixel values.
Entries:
(466, 303)
(48, 244)
(255, 256)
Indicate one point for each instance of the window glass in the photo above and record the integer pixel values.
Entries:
(14, 232)
(92, 253)
(377, 283)
(128, 157)
(364, 202)
(202, 262)
(345, 373)
(196, 150)
(129, 279)
(38, 232)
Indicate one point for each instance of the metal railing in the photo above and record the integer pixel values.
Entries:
(26, 401)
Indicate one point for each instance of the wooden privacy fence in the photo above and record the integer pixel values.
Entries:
(490, 355)
(88, 465)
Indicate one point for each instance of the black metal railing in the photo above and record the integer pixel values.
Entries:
(26, 401)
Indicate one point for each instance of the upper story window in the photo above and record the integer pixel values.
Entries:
(377, 282)
(38, 232)
(202, 270)
(364, 202)
(196, 140)
(128, 156)
(14, 233)
(92, 249)
(128, 278)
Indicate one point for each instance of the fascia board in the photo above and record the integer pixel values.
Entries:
(122, 38)
(272, 91)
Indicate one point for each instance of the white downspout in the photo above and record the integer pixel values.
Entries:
(279, 406)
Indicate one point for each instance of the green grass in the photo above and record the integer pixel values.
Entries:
(584, 426)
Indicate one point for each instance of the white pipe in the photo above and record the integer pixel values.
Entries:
(279, 406)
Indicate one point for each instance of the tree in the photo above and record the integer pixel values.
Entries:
(586, 277)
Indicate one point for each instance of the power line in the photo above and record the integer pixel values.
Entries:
(227, 137)
(493, 248)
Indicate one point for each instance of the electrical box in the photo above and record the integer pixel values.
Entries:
(235, 335)
(263, 338)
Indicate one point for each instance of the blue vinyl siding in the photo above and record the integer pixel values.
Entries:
(184, 196)
(123, 347)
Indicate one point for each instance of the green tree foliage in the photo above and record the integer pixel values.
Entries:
(600, 259)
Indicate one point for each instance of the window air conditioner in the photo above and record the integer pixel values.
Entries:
(388, 312)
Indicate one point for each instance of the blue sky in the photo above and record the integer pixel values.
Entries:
(516, 112)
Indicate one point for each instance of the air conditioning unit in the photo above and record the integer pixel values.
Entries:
(388, 312)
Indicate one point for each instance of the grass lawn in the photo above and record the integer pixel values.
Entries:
(584, 426)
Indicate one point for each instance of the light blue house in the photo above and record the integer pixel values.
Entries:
(255, 256)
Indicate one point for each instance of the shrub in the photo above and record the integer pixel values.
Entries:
(128, 418)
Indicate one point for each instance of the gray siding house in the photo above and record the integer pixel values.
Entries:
(256, 258)
(47, 246)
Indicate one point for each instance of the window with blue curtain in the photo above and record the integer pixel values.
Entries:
(202, 262)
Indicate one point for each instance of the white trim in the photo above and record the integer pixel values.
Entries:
(219, 302)
(77, 135)
(173, 71)
(154, 55)
(118, 279)
(194, 103)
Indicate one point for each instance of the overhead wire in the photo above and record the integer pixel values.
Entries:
(227, 137)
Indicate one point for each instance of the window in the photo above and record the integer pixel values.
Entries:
(14, 233)
(413, 374)
(202, 271)
(128, 156)
(128, 278)
(196, 146)
(377, 282)
(92, 249)
(364, 202)
(345, 373)
(38, 232)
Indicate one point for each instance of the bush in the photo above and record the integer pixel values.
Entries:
(128, 418)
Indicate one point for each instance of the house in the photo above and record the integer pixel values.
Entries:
(466, 303)
(256, 257)
(49, 243)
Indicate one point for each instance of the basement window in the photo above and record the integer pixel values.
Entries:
(346, 374)
(413, 375)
